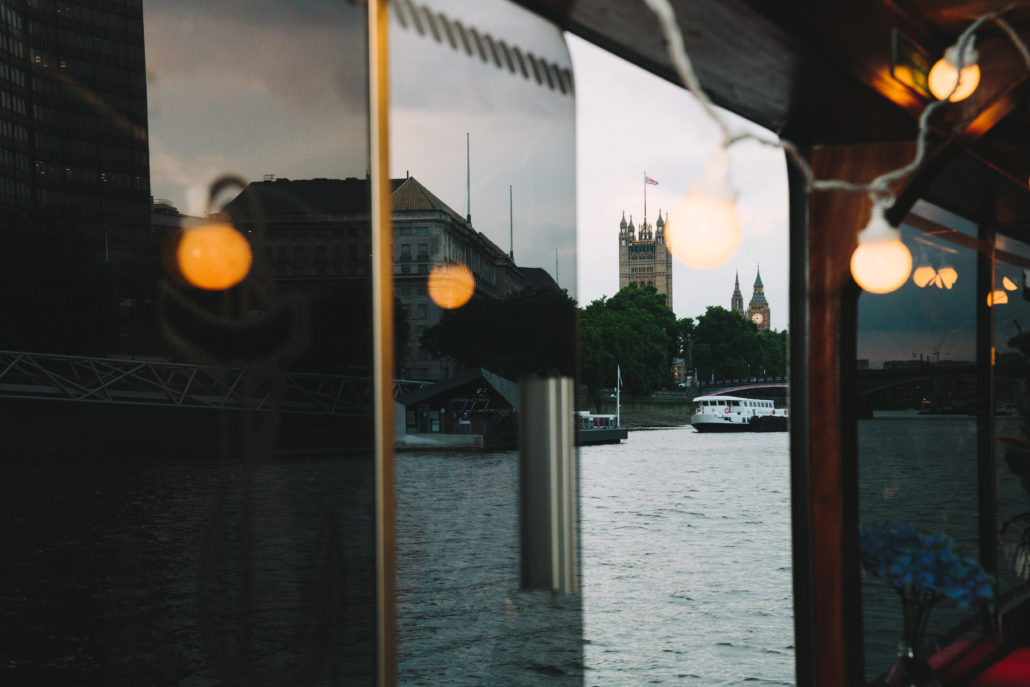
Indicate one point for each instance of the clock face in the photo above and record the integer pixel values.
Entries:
(757, 318)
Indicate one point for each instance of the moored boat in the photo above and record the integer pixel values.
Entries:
(737, 414)
(598, 429)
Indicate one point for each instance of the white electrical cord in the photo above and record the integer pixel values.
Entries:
(879, 188)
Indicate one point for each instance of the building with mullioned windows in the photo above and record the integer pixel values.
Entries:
(644, 259)
(315, 239)
(73, 116)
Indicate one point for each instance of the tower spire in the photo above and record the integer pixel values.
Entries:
(737, 299)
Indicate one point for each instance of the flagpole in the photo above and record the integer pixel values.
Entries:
(645, 200)
(618, 388)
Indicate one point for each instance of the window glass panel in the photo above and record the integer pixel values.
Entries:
(465, 129)
(189, 461)
(1011, 414)
(919, 399)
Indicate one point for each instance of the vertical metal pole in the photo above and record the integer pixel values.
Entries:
(985, 460)
(547, 484)
(618, 392)
(511, 225)
(468, 177)
(382, 343)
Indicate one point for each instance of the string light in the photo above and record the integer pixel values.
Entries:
(881, 263)
(997, 297)
(956, 75)
(451, 286)
(924, 272)
(214, 256)
(703, 231)
(1008, 284)
(879, 189)
(946, 277)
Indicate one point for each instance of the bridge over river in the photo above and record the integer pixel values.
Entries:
(43, 376)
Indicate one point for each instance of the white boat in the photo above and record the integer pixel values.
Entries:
(737, 414)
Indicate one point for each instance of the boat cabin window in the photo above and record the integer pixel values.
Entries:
(932, 394)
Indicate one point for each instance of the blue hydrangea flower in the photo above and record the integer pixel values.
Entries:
(924, 567)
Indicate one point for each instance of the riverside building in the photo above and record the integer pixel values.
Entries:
(644, 259)
(73, 117)
(315, 241)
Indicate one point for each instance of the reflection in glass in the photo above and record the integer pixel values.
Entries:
(484, 212)
(1012, 385)
(189, 461)
(917, 446)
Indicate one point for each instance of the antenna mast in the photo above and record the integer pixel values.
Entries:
(468, 176)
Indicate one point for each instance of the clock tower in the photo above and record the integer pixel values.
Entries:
(758, 308)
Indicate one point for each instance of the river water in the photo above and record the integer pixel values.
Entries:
(170, 572)
(686, 570)
(687, 559)
(216, 572)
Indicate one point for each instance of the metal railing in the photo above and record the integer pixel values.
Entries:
(45, 376)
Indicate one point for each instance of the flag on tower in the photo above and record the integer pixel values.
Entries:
(649, 180)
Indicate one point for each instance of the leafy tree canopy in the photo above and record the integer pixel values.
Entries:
(530, 332)
(725, 345)
(635, 331)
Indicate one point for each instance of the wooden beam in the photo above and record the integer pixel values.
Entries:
(834, 220)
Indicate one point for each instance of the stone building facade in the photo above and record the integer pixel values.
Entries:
(315, 238)
(644, 259)
(758, 307)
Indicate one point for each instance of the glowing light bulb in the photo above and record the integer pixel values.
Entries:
(703, 231)
(1008, 284)
(997, 297)
(881, 263)
(947, 277)
(944, 74)
(924, 273)
(451, 286)
(214, 256)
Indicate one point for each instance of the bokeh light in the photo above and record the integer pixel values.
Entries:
(703, 232)
(881, 266)
(944, 75)
(997, 297)
(451, 286)
(214, 256)
(946, 277)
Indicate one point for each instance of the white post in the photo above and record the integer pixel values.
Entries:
(618, 389)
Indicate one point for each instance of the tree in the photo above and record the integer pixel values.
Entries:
(726, 345)
(635, 331)
(773, 351)
(530, 332)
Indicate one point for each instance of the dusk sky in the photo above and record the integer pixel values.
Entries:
(297, 108)
(575, 164)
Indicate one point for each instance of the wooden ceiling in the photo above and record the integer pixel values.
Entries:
(819, 73)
